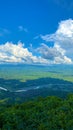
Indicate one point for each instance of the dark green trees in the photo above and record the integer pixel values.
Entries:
(50, 113)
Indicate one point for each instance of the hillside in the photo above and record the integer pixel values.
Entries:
(49, 113)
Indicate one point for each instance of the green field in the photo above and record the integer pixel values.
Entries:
(30, 72)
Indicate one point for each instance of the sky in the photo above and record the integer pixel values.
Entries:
(36, 31)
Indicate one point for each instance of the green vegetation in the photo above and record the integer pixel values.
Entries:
(23, 91)
(30, 72)
(50, 113)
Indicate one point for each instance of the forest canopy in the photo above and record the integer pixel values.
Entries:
(49, 113)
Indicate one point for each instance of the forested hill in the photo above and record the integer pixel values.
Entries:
(50, 113)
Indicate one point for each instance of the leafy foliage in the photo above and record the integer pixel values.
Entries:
(49, 113)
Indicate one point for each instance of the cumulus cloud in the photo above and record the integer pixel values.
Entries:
(17, 53)
(50, 52)
(55, 54)
(63, 41)
(64, 34)
(22, 29)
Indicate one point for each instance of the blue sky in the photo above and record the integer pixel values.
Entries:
(29, 21)
(38, 16)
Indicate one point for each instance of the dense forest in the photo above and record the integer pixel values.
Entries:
(49, 113)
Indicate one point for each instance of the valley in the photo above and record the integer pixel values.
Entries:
(20, 83)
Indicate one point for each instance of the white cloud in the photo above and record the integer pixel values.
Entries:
(22, 29)
(54, 55)
(63, 40)
(16, 53)
(62, 60)
(63, 33)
